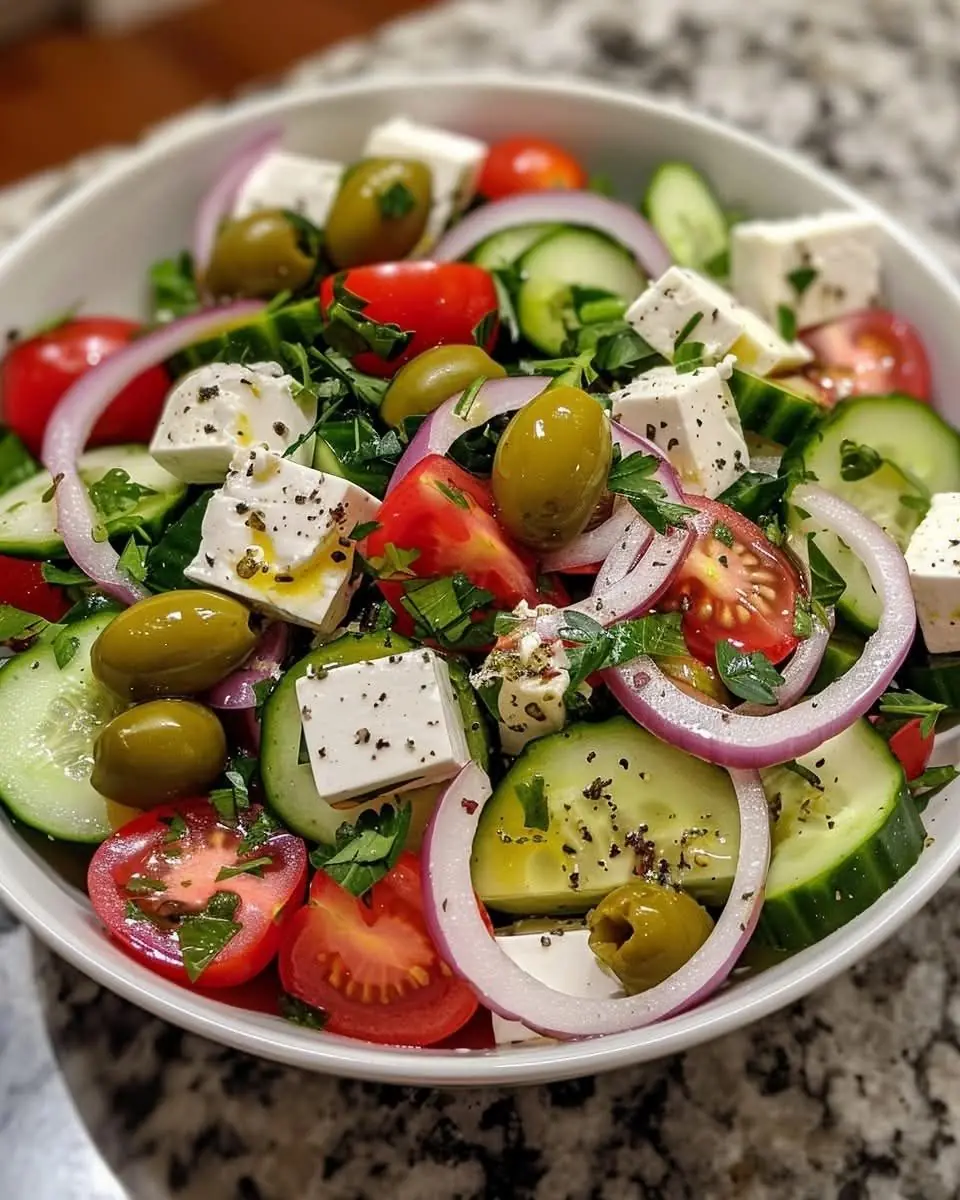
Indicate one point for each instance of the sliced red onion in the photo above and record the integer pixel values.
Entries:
(735, 739)
(457, 928)
(218, 201)
(236, 691)
(78, 412)
(616, 220)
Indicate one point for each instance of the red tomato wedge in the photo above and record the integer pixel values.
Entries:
(868, 353)
(36, 374)
(912, 748)
(446, 515)
(528, 164)
(439, 304)
(22, 584)
(370, 963)
(165, 865)
(736, 587)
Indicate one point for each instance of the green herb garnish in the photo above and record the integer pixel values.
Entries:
(633, 477)
(203, 935)
(533, 797)
(752, 677)
(396, 201)
(858, 461)
(827, 585)
(365, 851)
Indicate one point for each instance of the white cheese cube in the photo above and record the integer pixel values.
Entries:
(390, 723)
(277, 534)
(820, 267)
(693, 419)
(684, 306)
(529, 679)
(303, 185)
(455, 163)
(223, 407)
(933, 559)
(563, 961)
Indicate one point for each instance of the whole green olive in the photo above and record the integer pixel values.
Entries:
(551, 467)
(258, 255)
(158, 751)
(422, 384)
(643, 933)
(174, 644)
(379, 213)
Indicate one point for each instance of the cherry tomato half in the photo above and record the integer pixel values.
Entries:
(22, 584)
(528, 164)
(868, 353)
(912, 748)
(737, 587)
(37, 372)
(166, 864)
(440, 304)
(370, 964)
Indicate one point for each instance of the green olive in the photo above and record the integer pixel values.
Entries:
(551, 467)
(158, 751)
(380, 212)
(258, 255)
(434, 376)
(644, 932)
(174, 644)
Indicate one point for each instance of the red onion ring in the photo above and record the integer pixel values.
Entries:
(457, 928)
(220, 198)
(78, 412)
(236, 691)
(609, 217)
(735, 739)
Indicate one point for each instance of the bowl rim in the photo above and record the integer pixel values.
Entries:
(34, 895)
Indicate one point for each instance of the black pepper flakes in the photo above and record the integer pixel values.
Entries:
(361, 737)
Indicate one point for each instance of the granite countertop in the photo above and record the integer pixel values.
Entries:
(853, 1094)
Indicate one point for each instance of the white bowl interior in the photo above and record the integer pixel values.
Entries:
(95, 249)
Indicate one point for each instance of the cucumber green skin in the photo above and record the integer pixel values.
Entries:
(330, 455)
(288, 783)
(937, 677)
(260, 338)
(678, 200)
(843, 649)
(773, 411)
(504, 248)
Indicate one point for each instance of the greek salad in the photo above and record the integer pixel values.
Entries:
(476, 606)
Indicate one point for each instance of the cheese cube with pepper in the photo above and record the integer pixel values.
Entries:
(307, 186)
(933, 560)
(277, 534)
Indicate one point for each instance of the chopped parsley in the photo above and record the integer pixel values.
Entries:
(467, 397)
(173, 289)
(858, 461)
(755, 495)
(396, 201)
(394, 563)
(452, 493)
(533, 798)
(253, 866)
(203, 935)
(350, 332)
(786, 322)
(689, 357)
(633, 477)
(64, 576)
(292, 1008)
(18, 628)
(930, 783)
(363, 529)
(234, 797)
(904, 706)
(687, 330)
(365, 851)
(801, 279)
(114, 495)
(442, 610)
(133, 560)
(65, 647)
(258, 834)
(827, 585)
(752, 677)
(485, 327)
(593, 648)
(723, 533)
(805, 773)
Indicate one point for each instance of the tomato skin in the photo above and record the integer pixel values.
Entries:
(868, 353)
(716, 575)
(370, 963)
(22, 584)
(450, 536)
(528, 164)
(439, 303)
(37, 372)
(912, 748)
(266, 904)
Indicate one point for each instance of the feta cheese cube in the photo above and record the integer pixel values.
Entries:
(455, 163)
(277, 535)
(821, 267)
(684, 305)
(693, 419)
(933, 560)
(223, 407)
(561, 960)
(307, 186)
(388, 723)
(528, 680)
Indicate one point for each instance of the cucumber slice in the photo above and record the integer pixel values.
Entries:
(922, 456)
(770, 409)
(619, 802)
(839, 847)
(335, 452)
(682, 208)
(28, 521)
(843, 649)
(935, 676)
(49, 720)
(504, 248)
(287, 777)
(579, 257)
(257, 340)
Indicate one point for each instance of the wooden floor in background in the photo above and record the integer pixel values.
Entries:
(64, 91)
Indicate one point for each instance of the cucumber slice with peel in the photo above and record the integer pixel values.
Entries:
(770, 409)
(504, 248)
(682, 208)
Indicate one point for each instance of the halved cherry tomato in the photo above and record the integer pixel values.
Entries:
(868, 353)
(37, 372)
(370, 964)
(528, 164)
(744, 592)
(440, 304)
(446, 515)
(912, 748)
(166, 863)
(22, 584)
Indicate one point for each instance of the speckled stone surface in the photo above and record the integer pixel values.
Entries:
(853, 1094)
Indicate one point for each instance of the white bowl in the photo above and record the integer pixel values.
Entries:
(96, 246)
